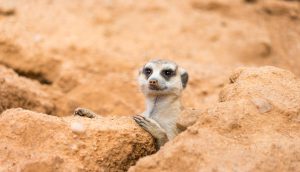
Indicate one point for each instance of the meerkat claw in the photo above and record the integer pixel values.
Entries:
(146, 124)
(78, 112)
(153, 128)
(139, 121)
(84, 113)
(141, 118)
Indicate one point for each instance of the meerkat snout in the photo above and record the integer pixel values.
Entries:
(153, 84)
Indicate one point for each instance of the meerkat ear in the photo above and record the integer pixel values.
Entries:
(184, 77)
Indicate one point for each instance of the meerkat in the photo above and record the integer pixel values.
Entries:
(161, 82)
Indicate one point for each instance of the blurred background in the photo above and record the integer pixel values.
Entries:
(87, 53)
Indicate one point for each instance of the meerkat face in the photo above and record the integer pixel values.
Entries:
(162, 77)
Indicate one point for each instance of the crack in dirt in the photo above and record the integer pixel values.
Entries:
(38, 76)
(7, 12)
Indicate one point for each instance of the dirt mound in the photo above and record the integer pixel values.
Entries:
(31, 141)
(255, 127)
(17, 91)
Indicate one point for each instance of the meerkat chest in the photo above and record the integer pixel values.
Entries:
(168, 123)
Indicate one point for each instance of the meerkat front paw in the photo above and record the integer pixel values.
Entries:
(153, 128)
(85, 113)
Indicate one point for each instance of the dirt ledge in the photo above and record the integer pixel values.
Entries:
(31, 141)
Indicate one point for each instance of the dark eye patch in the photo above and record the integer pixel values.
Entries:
(147, 72)
(167, 73)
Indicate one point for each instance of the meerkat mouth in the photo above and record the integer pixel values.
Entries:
(156, 88)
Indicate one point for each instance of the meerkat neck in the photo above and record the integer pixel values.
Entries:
(162, 105)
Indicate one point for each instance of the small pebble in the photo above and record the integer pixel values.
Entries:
(262, 105)
(77, 127)
(74, 147)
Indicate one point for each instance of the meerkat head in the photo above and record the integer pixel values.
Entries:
(162, 77)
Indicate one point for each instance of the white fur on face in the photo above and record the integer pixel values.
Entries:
(173, 85)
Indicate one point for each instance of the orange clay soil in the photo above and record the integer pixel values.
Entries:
(56, 55)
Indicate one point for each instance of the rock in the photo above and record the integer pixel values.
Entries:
(273, 86)
(255, 127)
(16, 91)
(31, 141)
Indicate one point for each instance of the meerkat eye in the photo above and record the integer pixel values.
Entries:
(147, 71)
(167, 73)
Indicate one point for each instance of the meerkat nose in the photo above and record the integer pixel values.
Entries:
(153, 82)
